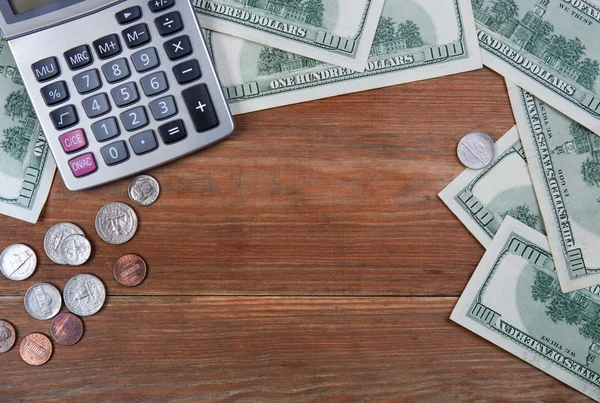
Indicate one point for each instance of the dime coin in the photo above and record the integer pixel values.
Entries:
(129, 270)
(116, 223)
(66, 329)
(476, 150)
(55, 236)
(18, 262)
(7, 336)
(84, 294)
(43, 301)
(75, 249)
(36, 349)
(144, 190)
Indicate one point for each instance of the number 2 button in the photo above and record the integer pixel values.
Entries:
(134, 118)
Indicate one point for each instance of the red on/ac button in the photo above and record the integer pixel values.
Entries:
(73, 141)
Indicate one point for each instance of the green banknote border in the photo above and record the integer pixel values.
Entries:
(479, 296)
(547, 192)
(289, 36)
(357, 75)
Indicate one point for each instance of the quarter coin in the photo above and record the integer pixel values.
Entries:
(75, 250)
(18, 262)
(66, 329)
(144, 190)
(55, 236)
(116, 223)
(7, 336)
(36, 349)
(84, 294)
(43, 301)
(476, 150)
(129, 270)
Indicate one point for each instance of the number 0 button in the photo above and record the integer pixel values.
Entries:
(115, 153)
(134, 118)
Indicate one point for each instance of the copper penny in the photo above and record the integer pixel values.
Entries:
(66, 329)
(7, 336)
(36, 349)
(129, 270)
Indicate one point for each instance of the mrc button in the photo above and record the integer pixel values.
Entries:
(46, 69)
(78, 57)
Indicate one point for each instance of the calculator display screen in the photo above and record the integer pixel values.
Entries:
(20, 6)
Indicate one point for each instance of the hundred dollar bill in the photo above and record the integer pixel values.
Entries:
(564, 162)
(26, 164)
(339, 32)
(550, 48)
(514, 301)
(481, 199)
(415, 40)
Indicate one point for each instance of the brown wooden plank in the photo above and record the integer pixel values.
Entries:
(337, 197)
(273, 349)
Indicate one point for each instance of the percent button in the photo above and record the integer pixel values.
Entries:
(55, 93)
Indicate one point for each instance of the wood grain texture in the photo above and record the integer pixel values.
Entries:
(306, 258)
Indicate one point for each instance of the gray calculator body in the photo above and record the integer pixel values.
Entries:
(119, 87)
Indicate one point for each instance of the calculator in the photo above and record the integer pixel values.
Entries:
(119, 86)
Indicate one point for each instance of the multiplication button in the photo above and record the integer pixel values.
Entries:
(178, 47)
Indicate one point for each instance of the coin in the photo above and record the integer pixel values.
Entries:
(36, 349)
(144, 190)
(476, 150)
(129, 270)
(55, 236)
(18, 262)
(7, 336)
(75, 250)
(116, 223)
(66, 329)
(84, 294)
(43, 301)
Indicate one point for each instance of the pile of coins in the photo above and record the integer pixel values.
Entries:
(84, 294)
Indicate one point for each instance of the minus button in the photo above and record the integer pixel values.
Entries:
(187, 71)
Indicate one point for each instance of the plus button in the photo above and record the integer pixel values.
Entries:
(201, 106)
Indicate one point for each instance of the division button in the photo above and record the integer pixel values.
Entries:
(143, 142)
(55, 93)
(64, 117)
(128, 15)
(200, 107)
(172, 132)
(106, 129)
(78, 57)
(178, 47)
(136, 35)
(159, 5)
(83, 165)
(107, 46)
(87, 81)
(45, 69)
(73, 141)
(187, 71)
(115, 153)
(169, 23)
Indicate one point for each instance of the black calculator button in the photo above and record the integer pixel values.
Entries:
(134, 118)
(87, 81)
(136, 35)
(159, 5)
(163, 108)
(143, 142)
(106, 129)
(116, 70)
(169, 23)
(78, 57)
(96, 105)
(187, 71)
(145, 59)
(46, 69)
(115, 153)
(125, 94)
(172, 132)
(178, 47)
(107, 46)
(55, 93)
(64, 117)
(199, 105)
(128, 15)
(154, 83)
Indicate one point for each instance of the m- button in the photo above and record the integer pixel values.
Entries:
(107, 46)
(78, 57)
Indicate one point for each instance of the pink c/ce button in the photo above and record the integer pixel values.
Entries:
(83, 165)
(73, 140)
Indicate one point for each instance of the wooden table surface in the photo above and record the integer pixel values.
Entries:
(306, 258)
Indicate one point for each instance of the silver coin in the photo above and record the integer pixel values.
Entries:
(75, 249)
(84, 294)
(476, 150)
(144, 190)
(55, 236)
(18, 262)
(116, 223)
(43, 301)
